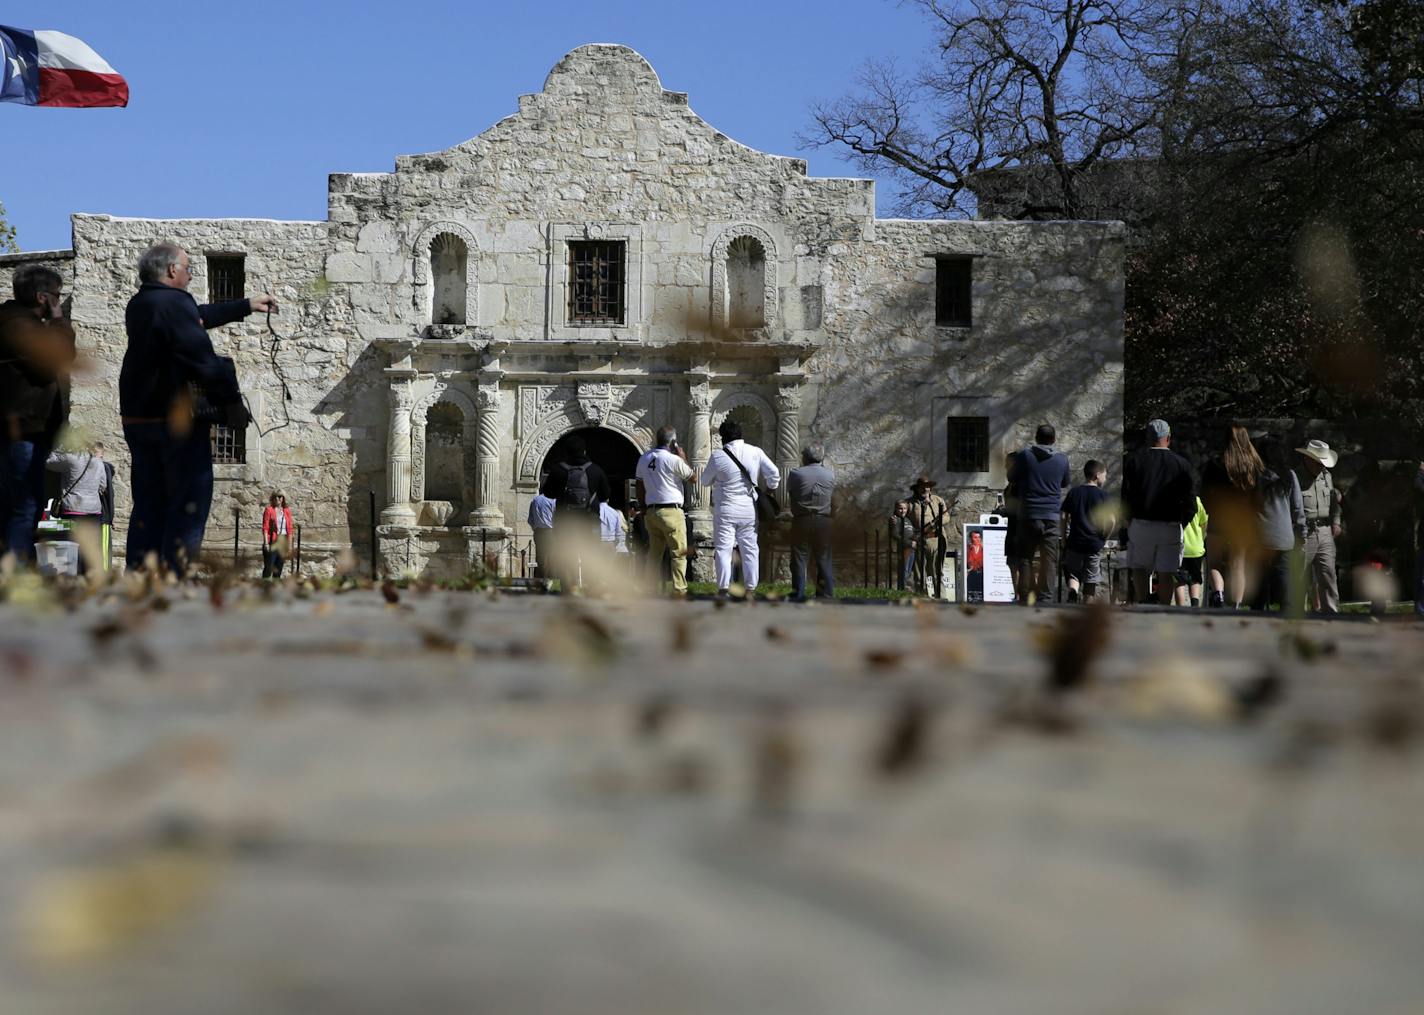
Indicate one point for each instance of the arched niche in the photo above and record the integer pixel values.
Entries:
(446, 275)
(754, 413)
(448, 404)
(744, 283)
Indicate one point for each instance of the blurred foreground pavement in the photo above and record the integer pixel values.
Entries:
(459, 802)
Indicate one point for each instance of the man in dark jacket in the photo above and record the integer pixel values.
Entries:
(36, 353)
(168, 353)
(1419, 542)
(1040, 474)
(1160, 497)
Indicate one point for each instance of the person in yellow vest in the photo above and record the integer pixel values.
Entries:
(1189, 578)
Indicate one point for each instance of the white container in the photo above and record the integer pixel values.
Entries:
(57, 557)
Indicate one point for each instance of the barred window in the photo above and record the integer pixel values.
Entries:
(953, 278)
(227, 277)
(968, 444)
(596, 281)
(229, 445)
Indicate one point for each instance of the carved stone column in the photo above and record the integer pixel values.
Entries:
(487, 401)
(699, 450)
(399, 510)
(788, 428)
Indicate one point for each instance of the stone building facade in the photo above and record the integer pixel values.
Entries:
(604, 261)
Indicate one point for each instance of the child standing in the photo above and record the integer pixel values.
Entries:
(1086, 518)
(1189, 578)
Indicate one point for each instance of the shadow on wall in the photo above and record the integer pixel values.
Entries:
(359, 402)
(1036, 378)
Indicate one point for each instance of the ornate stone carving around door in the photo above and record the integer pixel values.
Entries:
(546, 412)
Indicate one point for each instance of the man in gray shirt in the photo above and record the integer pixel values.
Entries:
(809, 491)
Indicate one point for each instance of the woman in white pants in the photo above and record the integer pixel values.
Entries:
(733, 508)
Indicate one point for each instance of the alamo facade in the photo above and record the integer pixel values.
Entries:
(603, 261)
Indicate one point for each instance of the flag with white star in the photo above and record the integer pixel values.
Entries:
(46, 68)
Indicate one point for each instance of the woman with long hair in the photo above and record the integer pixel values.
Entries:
(1231, 496)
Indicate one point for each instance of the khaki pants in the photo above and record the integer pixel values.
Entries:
(667, 530)
(1319, 559)
(926, 566)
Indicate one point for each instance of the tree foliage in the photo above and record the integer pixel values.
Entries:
(7, 234)
(1276, 150)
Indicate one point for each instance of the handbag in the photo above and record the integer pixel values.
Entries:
(767, 509)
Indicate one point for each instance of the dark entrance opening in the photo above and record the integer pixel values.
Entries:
(609, 450)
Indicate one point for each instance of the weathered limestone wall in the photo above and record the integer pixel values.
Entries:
(1045, 346)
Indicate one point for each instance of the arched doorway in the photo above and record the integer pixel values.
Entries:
(615, 454)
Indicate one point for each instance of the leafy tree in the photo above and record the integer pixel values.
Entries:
(7, 234)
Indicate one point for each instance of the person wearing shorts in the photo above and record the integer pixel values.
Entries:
(1085, 518)
(1158, 491)
(1189, 577)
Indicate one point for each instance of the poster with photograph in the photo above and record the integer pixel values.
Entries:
(986, 564)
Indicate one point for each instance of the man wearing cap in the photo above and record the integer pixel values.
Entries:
(927, 512)
(1160, 497)
(1322, 521)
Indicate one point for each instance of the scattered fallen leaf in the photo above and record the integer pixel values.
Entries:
(389, 591)
(904, 743)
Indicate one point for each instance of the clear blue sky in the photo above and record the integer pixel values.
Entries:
(242, 109)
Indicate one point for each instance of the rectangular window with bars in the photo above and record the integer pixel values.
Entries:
(597, 281)
(967, 438)
(229, 445)
(953, 285)
(227, 277)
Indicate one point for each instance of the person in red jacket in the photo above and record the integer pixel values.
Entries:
(276, 535)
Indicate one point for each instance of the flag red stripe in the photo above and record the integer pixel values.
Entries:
(62, 87)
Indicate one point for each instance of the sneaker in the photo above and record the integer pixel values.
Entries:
(1217, 601)
(1072, 595)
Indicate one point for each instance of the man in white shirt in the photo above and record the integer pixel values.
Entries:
(734, 489)
(661, 473)
(541, 521)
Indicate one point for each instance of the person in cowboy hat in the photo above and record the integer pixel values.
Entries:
(1322, 523)
(927, 513)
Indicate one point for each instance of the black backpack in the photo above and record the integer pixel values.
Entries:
(577, 494)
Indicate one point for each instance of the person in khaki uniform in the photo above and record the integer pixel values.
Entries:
(1322, 523)
(928, 512)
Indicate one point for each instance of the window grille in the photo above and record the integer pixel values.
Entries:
(596, 282)
(229, 445)
(227, 277)
(953, 278)
(968, 444)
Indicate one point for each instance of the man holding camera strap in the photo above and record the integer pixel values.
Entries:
(661, 474)
(169, 355)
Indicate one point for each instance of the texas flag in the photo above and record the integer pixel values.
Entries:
(45, 68)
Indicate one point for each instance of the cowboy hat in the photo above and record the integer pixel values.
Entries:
(1321, 452)
(922, 480)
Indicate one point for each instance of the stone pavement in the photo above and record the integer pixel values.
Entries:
(517, 803)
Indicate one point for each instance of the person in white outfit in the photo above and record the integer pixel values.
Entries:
(612, 529)
(733, 506)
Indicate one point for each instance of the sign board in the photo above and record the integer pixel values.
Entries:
(986, 562)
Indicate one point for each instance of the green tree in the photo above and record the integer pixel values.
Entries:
(7, 234)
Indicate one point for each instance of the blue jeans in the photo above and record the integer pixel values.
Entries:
(172, 484)
(22, 476)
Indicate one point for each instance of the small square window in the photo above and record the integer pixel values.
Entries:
(953, 278)
(596, 281)
(967, 438)
(227, 277)
(229, 445)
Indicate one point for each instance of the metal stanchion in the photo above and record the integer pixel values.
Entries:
(297, 562)
(236, 531)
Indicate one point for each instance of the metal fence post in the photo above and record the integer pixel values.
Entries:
(236, 530)
(297, 564)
